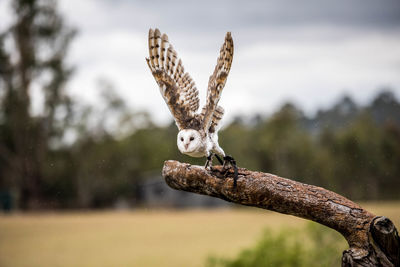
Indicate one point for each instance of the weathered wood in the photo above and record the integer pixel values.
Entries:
(373, 240)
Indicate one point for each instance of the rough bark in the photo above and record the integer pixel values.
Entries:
(373, 240)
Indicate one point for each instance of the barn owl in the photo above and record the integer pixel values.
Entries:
(198, 131)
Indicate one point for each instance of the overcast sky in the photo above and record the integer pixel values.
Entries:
(309, 52)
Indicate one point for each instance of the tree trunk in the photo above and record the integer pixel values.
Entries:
(373, 240)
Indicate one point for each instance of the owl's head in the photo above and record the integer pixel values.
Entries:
(188, 141)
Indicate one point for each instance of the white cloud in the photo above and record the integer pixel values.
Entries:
(310, 64)
(309, 56)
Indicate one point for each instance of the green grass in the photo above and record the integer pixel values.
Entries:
(141, 238)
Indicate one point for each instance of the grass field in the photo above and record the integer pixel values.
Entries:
(140, 238)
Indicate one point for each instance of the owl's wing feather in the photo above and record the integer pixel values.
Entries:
(216, 118)
(176, 86)
(216, 83)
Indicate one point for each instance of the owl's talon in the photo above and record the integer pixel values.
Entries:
(231, 162)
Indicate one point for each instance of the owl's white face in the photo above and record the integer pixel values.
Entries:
(189, 141)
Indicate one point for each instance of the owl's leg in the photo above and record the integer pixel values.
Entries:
(208, 164)
(219, 159)
(209, 161)
(228, 160)
(218, 151)
(231, 162)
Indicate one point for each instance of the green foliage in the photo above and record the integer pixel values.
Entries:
(315, 245)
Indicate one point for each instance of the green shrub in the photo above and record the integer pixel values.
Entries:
(314, 245)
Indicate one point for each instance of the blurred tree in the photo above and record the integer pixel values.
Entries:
(356, 157)
(283, 146)
(237, 141)
(385, 108)
(389, 181)
(32, 54)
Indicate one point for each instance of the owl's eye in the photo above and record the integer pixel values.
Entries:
(182, 139)
(191, 138)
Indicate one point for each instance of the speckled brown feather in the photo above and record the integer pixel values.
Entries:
(176, 86)
(216, 118)
(217, 82)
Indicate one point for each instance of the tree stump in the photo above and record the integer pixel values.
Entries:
(373, 240)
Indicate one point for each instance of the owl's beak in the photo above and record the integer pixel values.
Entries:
(186, 146)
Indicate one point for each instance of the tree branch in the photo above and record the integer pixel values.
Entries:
(271, 192)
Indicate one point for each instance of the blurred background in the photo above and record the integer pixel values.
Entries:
(313, 95)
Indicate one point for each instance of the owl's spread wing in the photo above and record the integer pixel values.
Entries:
(216, 83)
(176, 85)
